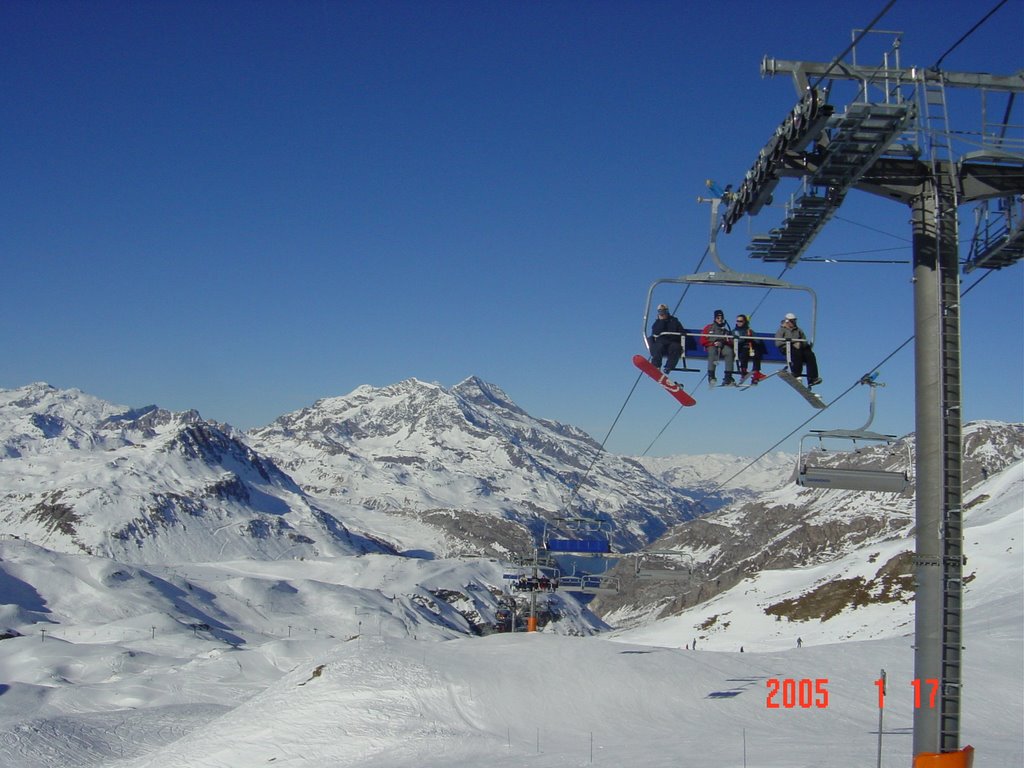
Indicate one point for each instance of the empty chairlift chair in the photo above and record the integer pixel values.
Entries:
(588, 537)
(663, 565)
(860, 478)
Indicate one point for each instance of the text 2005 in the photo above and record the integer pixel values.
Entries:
(789, 693)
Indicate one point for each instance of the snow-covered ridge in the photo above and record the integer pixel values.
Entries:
(414, 448)
(148, 485)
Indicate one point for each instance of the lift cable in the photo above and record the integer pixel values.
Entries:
(837, 217)
(686, 290)
(817, 413)
(752, 312)
(969, 32)
(840, 397)
(657, 437)
(853, 44)
(600, 450)
(597, 455)
(834, 258)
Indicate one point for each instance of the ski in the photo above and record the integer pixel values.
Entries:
(798, 385)
(667, 384)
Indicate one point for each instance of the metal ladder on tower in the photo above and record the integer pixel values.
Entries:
(935, 123)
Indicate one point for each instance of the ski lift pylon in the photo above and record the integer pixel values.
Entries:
(852, 478)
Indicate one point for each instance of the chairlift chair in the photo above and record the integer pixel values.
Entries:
(585, 582)
(532, 577)
(593, 537)
(645, 571)
(852, 478)
(589, 584)
(729, 278)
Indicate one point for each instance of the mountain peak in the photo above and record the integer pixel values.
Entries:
(476, 390)
(42, 397)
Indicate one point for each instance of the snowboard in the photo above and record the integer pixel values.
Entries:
(668, 385)
(746, 381)
(798, 385)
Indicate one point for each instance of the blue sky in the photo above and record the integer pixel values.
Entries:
(243, 207)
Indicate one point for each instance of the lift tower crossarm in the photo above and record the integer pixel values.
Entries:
(802, 71)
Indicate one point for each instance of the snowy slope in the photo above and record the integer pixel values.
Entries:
(767, 606)
(324, 663)
(219, 648)
(555, 701)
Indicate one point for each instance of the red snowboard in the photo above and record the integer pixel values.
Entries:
(669, 386)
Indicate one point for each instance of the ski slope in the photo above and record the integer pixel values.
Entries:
(114, 695)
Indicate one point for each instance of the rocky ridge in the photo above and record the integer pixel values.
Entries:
(797, 527)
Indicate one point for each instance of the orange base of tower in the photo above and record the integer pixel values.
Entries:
(962, 759)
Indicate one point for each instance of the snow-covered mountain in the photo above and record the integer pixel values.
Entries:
(866, 591)
(411, 467)
(715, 479)
(79, 474)
(799, 527)
(467, 459)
